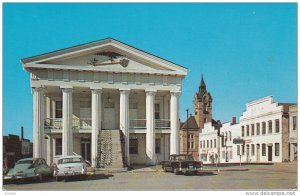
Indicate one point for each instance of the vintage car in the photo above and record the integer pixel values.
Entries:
(29, 168)
(182, 163)
(70, 166)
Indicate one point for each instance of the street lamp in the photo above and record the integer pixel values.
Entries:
(187, 131)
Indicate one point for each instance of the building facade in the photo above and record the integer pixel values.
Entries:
(106, 86)
(267, 132)
(265, 127)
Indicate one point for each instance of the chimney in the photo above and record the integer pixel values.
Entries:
(22, 133)
(233, 121)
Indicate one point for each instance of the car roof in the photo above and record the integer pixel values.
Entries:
(71, 156)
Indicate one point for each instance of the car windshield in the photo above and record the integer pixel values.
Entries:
(24, 162)
(183, 158)
(70, 160)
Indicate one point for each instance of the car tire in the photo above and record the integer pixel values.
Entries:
(165, 169)
(176, 171)
(41, 177)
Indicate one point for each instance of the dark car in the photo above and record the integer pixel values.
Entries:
(182, 164)
(29, 168)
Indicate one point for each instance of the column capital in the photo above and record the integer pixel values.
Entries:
(96, 91)
(175, 93)
(124, 90)
(150, 92)
(38, 88)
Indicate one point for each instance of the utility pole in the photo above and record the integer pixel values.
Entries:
(187, 131)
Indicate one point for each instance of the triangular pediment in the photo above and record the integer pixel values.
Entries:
(105, 55)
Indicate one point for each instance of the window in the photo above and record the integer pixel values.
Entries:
(263, 149)
(223, 154)
(58, 109)
(243, 149)
(229, 135)
(277, 125)
(270, 126)
(226, 137)
(252, 129)
(157, 146)
(215, 143)
(243, 131)
(207, 143)
(200, 144)
(204, 120)
(191, 141)
(204, 144)
(133, 146)
(276, 149)
(294, 122)
(238, 149)
(263, 128)
(247, 130)
(252, 150)
(211, 143)
(257, 129)
(157, 111)
(58, 146)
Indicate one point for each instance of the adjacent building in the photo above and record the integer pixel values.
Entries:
(84, 96)
(267, 132)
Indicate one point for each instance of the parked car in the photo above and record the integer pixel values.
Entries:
(29, 168)
(182, 163)
(70, 166)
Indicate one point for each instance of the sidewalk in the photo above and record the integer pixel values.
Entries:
(158, 168)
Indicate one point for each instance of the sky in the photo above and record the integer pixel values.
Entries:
(244, 51)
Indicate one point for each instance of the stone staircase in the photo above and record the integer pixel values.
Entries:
(110, 146)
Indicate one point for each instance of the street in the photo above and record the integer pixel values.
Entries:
(258, 177)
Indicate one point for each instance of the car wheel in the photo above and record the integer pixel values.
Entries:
(176, 171)
(41, 177)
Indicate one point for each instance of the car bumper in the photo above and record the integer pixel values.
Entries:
(189, 170)
(73, 173)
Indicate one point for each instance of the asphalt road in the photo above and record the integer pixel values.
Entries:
(264, 177)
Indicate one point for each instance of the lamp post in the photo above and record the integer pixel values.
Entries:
(187, 131)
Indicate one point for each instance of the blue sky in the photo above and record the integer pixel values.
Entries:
(245, 51)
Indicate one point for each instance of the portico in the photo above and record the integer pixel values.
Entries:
(73, 101)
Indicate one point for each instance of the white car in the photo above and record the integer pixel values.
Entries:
(69, 166)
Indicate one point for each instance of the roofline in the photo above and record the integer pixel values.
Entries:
(108, 40)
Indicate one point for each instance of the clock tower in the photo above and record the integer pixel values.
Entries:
(202, 105)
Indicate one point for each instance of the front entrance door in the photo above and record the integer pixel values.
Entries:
(86, 149)
(270, 153)
(109, 119)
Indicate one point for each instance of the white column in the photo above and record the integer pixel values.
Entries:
(96, 123)
(38, 122)
(150, 124)
(67, 136)
(174, 112)
(49, 150)
(124, 120)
